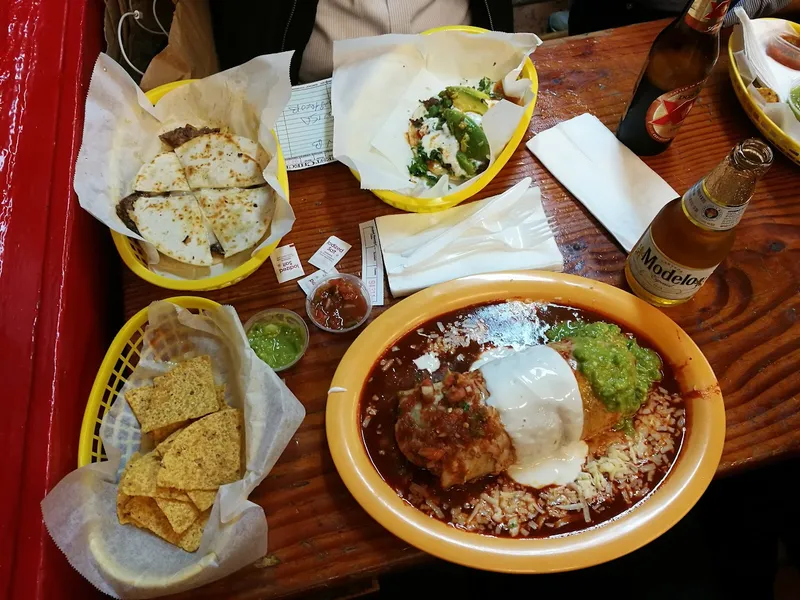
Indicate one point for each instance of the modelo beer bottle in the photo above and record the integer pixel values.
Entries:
(679, 62)
(692, 235)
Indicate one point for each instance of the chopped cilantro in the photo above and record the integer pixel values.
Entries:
(419, 162)
(485, 85)
(419, 165)
(436, 155)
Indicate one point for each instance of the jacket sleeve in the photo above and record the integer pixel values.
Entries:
(244, 30)
(495, 15)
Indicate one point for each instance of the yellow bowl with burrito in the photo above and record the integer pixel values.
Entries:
(498, 484)
(133, 255)
(412, 204)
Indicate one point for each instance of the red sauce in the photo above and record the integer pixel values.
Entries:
(338, 304)
(786, 50)
(506, 324)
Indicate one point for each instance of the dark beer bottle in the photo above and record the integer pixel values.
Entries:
(679, 62)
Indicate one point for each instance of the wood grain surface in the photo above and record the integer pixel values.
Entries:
(745, 319)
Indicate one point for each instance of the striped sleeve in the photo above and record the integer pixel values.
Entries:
(754, 9)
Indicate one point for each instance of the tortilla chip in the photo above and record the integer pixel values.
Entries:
(162, 448)
(162, 433)
(166, 493)
(122, 512)
(206, 455)
(139, 479)
(145, 513)
(179, 514)
(768, 94)
(190, 540)
(139, 400)
(202, 499)
(186, 392)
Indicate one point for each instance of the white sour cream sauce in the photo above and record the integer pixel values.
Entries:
(428, 362)
(444, 141)
(536, 394)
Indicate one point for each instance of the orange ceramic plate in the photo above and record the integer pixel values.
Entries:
(690, 475)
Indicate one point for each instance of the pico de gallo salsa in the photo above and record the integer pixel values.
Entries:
(339, 303)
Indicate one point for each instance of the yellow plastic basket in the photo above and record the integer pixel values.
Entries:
(133, 255)
(117, 365)
(422, 205)
(764, 124)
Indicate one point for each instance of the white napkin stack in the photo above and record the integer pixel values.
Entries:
(509, 231)
(750, 45)
(617, 187)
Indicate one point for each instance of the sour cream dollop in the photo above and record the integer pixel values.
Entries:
(537, 396)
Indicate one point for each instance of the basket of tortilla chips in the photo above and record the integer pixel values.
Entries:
(189, 178)
(184, 421)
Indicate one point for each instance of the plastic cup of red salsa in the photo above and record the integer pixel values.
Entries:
(784, 47)
(339, 303)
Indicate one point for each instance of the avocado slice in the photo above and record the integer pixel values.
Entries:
(468, 99)
(465, 163)
(471, 138)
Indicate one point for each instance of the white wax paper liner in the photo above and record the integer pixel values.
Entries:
(121, 129)
(379, 81)
(80, 512)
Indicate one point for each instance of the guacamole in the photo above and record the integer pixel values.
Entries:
(619, 370)
(277, 342)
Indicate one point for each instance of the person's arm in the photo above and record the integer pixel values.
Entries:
(760, 8)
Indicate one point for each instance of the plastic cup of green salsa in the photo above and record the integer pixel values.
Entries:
(278, 336)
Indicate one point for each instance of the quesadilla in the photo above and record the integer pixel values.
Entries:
(238, 217)
(175, 226)
(162, 174)
(220, 160)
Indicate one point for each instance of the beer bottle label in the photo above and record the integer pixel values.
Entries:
(701, 208)
(667, 112)
(661, 276)
(706, 15)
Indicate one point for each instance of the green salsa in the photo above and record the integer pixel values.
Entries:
(277, 342)
(619, 370)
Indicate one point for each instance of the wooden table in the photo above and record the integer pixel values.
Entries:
(745, 319)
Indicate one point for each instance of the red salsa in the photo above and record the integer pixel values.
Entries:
(338, 304)
(785, 50)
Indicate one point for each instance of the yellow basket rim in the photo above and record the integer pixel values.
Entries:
(412, 204)
(106, 369)
(124, 244)
(764, 124)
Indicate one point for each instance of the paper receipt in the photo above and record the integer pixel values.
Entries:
(305, 128)
(372, 261)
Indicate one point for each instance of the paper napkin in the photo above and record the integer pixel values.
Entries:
(509, 231)
(617, 187)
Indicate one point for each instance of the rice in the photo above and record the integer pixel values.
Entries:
(625, 471)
